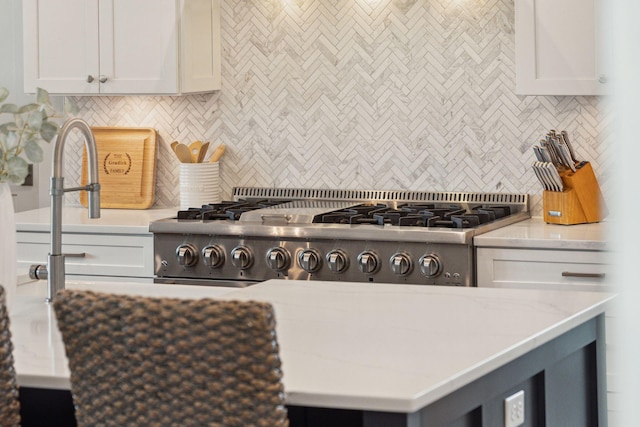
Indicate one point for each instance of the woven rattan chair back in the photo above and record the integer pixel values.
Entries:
(138, 361)
(9, 403)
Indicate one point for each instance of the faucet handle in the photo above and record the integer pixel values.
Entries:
(93, 200)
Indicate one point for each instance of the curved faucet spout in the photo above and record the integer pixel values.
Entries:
(56, 273)
(92, 155)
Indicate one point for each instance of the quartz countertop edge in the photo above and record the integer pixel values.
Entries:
(75, 219)
(330, 335)
(408, 399)
(534, 233)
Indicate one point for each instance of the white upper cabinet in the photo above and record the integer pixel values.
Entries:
(121, 47)
(559, 48)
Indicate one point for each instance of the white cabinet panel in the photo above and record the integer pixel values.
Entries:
(122, 46)
(560, 47)
(60, 45)
(105, 255)
(542, 269)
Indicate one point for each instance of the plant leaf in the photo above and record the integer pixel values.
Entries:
(36, 119)
(5, 128)
(48, 130)
(28, 108)
(42, 96)
(33, 151)
(9, 108)
(4, 93)
(18, 169)
(70, 106)
(12, 140)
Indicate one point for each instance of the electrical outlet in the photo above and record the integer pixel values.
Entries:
(514, 410)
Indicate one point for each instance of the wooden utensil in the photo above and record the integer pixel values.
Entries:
(194, 150)
(219, 151)
(183, 153)
(203, 151)
(173, 146)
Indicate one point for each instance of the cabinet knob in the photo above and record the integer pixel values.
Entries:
(103, 79)
(89, 78)
(602, 79)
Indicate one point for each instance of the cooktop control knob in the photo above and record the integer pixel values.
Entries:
(310, 260)
(400, 264)
(278, 259)
(187, 255)
(242, 257)
(213, 256)
(338, 261)
(368, 262)
(430, 265)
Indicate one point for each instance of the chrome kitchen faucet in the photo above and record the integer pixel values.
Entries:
(55, 273)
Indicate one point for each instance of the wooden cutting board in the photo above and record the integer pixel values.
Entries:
(126, 167)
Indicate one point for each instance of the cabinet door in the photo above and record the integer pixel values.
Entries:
(61, 45)
(559, 47)
(138, 46)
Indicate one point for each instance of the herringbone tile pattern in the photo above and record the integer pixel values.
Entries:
(386, 94)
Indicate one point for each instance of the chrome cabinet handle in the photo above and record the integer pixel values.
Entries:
(589, 275)
(76, 255)
(103, 79)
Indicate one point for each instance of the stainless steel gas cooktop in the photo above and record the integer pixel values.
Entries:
(350, 235)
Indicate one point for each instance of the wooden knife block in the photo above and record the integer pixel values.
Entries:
(581, 201)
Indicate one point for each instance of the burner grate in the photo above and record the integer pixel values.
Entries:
(225, 210)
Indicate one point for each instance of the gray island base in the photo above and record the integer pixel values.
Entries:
(376, 355)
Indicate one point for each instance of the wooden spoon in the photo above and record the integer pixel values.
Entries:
(194, 150)
(183, 153)
(173, 146)
(219, 151)
(203, 151)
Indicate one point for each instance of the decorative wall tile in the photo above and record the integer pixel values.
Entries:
(366, 94)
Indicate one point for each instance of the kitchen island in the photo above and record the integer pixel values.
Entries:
(392, 355)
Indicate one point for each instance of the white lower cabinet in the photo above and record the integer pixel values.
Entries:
(542, 269)
(550, 269)
(92, 255)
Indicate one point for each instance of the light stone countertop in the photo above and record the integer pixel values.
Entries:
(534, 233)
(351, 345)
(76, 220)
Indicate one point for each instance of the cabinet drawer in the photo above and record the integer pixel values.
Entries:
(105, 255)
(542, 269)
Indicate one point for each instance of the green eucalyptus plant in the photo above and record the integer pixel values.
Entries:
(22, 135)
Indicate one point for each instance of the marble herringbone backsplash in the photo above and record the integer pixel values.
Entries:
(366, 94)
